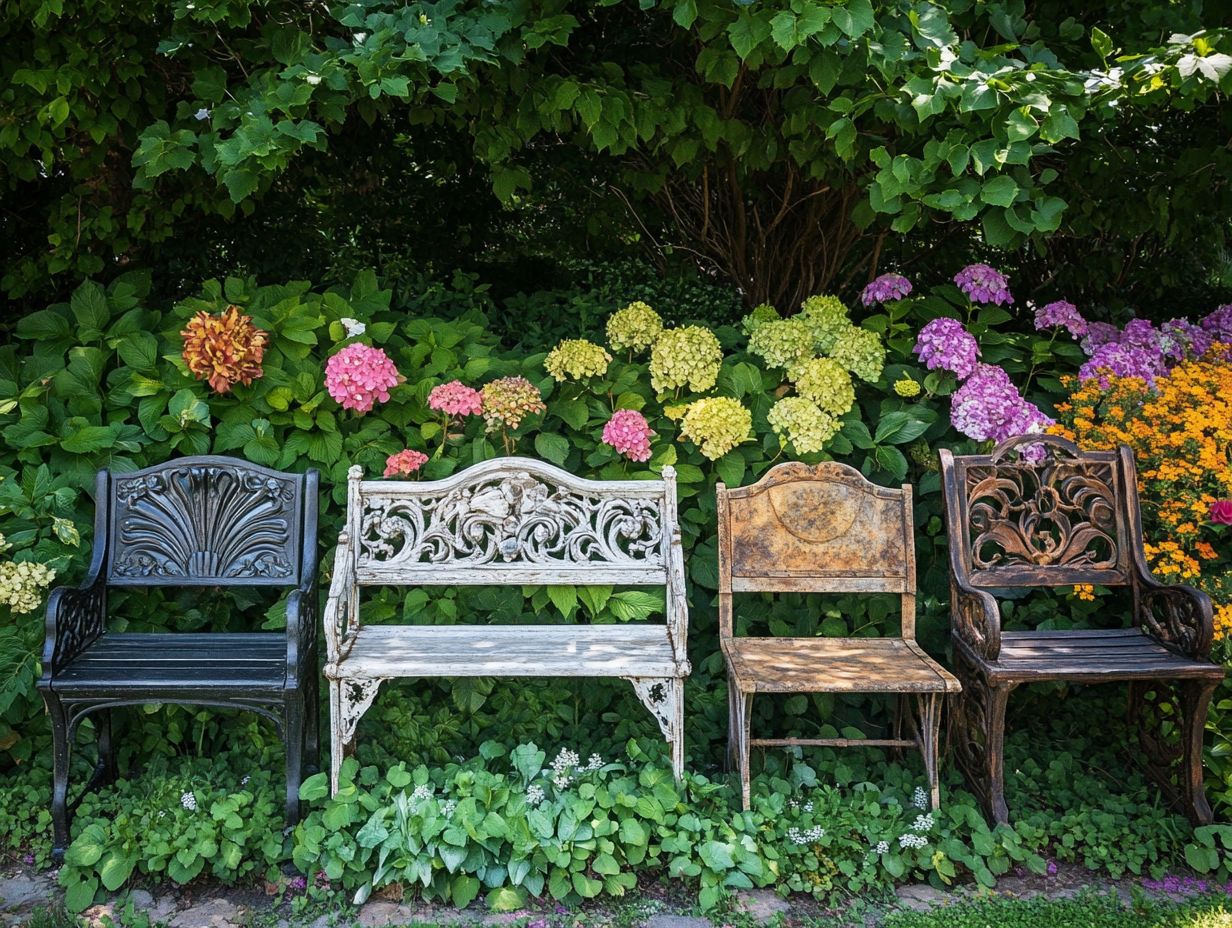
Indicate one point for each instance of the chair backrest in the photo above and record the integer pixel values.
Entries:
(816, 529)
(512, 520)
(209, 521)
(1038, 512)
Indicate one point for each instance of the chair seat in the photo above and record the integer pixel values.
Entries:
(628, 650)
(131, 665)
(1091, 655)
(835, 665)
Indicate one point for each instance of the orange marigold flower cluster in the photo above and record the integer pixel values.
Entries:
(224, 349)
(1181, 434)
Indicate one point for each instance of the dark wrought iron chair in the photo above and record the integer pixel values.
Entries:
(1037, 512)
(193, 522)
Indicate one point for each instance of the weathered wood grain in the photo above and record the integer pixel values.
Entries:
(823, 529)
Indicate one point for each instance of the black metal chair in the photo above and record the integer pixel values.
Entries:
(193, 522)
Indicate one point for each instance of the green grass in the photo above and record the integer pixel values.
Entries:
(1087, 911)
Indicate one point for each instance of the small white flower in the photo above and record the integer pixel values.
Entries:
(919, 798)
(922, 823)
(202, 114)
(188, 801)
(595, 762)
(882, 847)
(422, 793)
(244, 781)
(565, 760)
(805, 836)
(534, 794)
(808, 806)
(561, 780)
(912, 841)
(353, 327)
(313, 79)
(448, 807)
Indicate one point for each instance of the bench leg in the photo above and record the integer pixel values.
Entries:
(664, 697)
(61, 755)
(312, 725)
(928, 736)
(1180, 755)
(979, 737)
(349, 699)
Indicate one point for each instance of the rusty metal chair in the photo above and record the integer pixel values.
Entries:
(1037, 512)
(823, 529)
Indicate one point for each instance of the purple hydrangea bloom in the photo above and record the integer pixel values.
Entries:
(1141, 333)
(886, 289)
(945, 344)
(1123, 359)
(1181, 339)
(989, 407)
(1098, 335)
(983, 284)
(1219, 324)
(1061, 313)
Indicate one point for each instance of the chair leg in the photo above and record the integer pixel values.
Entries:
(61, 755)
(928, 736)
(1195, 701)
(105, 770)
(1178, 755)
(312, 727)
(743, 705)
(979, 742)
(293, 732)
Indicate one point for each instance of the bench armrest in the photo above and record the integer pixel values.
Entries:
(302, 618)
(75, 617)
(975, 619)
(341, 614)
(1178, 616)
(678, 605)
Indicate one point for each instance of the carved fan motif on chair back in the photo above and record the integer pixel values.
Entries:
(201, 523)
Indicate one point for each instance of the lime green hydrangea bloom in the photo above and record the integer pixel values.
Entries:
(825, 383)
(633, 328)
(577, 359)
(688, 356)
(716, 424)
(782, 342)
(827, 318)
(861, 352)
(906, 387)
(762, 313)
(802, 422)
(22, 585)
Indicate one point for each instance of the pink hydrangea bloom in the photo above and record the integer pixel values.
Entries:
(983, 284)
(945, 344)
(359, 376)
(628, 432)
(404, 463)
(456, 399)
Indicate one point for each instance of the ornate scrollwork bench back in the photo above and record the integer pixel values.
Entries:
(204, 522)
(502, 522)
(1038, 512)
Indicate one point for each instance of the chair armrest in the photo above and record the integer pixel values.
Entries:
(341, 613)
(678, 616)
(1178, 616)
(75, 617)
(302, 618)
(975, 619)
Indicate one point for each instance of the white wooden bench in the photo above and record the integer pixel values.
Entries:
(507, 521)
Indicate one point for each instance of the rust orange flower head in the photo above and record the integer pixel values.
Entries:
(224, 349)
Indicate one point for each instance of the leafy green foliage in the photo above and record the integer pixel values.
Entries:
(1087, 911)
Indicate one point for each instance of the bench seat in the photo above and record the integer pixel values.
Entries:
(1092, 656)
(512, 651)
